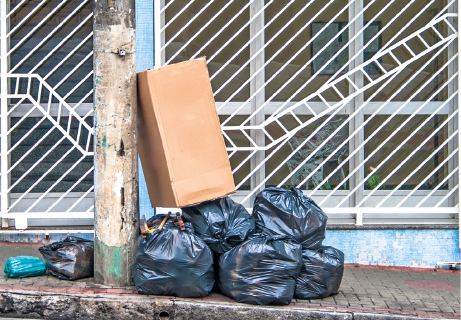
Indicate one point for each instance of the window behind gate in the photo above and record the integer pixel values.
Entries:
(354, 102)
(46, 111)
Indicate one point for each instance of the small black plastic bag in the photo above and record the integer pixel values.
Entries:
(173, 262)
(262, 271)
(321, 273)
(69, 259)
(221, 223)
(277, 211)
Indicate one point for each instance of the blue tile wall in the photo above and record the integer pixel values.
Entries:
(144, 61)
(40, 237)
(410, 248)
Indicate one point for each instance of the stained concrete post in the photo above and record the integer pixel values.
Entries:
(115, 141)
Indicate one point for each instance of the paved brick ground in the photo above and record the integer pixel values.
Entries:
(403, 291)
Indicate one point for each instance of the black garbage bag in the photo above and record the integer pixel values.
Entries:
(261, 270)
(69, 259)
(221, 223)
(283, 212)
(173, 262)
(321, 273)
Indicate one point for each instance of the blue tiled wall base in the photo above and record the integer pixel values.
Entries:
(40, 237)
(409, 248)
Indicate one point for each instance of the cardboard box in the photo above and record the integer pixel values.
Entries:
(181, 146)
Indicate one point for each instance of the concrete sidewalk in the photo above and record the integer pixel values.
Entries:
(365, 293)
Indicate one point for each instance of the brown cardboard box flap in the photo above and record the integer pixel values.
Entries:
(180, 136)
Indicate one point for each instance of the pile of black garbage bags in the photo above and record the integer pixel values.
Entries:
(265, 258)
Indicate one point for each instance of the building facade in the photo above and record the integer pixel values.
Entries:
(353, 101)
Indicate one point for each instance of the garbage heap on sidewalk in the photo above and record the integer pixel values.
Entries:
(265, 258)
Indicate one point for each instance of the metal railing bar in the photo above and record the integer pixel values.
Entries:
(423, 41)
(268, 42)
(324, 101)
(240, 31)
(382, 125)
(187, 24)
(447, 196)
(83, 99)
(244, 161)
(351, 135)
(177, 15)
(21, 120)
(427, 177)
(162, 10)
(352, 84)
(31, 13)
(71, 72)
(45, 39)
(366, 74)
(69, 121)
(57, 124)
(16, 105)
(310, 109)
(339, 92)
(437, 32)
(374, 59)
(379, 33)
(38, 161)
(78, 86)
(267, 134)
(278, 52)
(15, 8)
(16, 89)
(26, 135)
(296, 118)
(332, 135)
(61, 102)
(61, 43)
(70, 189)
(245, 45)
(200, 31)
(450, 25)
(414, 151)
(249, 138)
(409, 49)
(235, 16)
(339, 104)
(395, 58)
(324, 87)
(70, 54)
(447, 7)
(76, 163)
(307, 63)
(437, 187)
(50, 99)
(405, 27)
(80, 199)
(90, 209)
(30, 150)
(281, 125)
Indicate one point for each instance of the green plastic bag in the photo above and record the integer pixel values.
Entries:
(24, 266)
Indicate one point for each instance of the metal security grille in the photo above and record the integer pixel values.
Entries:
(354, 102)
(46, 112)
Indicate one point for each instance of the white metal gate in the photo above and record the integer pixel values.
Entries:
(354, 101)
(46, 112)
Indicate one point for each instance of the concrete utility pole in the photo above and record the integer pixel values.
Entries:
(115, 141)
